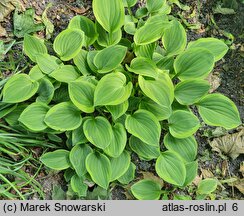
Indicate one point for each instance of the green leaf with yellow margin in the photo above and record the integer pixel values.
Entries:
(183, 124)
(109, 13)
(57, 160)
(146, 189)
(19, 88)
(98, 131)
(81, 93)
(68, 43)
(33, 116)
(218, 110)
(63, 116)
(171, 168)
(145, 126)
(99, 168)
(120, 165)
(112, 90)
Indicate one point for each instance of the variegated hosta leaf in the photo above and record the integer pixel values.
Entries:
(33, 116)
(218, 110)
(217, 47)
(68, 43)
(174, 39)
(48, 63)
(183, 124)
(120, 165)
(161, 112)
(80, 60)
(107, 39)
(99, 168)
(36, 73)
(98, 131)
(109, 58)
(118, 141)
(45, 91)
(145, 126)
(145, 50)
(146, 189)
(160, 90)
(154, 5)
(194, 64)
(129, 175)
(19, 88)
(207, 186)
(63, 116)
(66, 73)
(87, 26)
(143, 66)
(129, 3)
(152, 30)
(77, 184)
(118, 110)
(191, 172)
(81, 93)
(171, 168)
(57, 160)
(190, 91)
(186, 148)
(33, 46)
(143, 150)
(109, 13)
(112, 90)
(78, 156)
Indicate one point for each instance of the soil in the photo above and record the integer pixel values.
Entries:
(228, 71)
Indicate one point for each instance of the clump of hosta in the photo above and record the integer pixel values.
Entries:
(119, 97)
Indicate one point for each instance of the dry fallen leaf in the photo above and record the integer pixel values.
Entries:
(240, 185)
(231, 144)
(77, 10)
(3, 32)
(242, 168)
(197, 180)
(224, 167)
(7, 6)
(214, 80)
(207, 173)
(149, 175)
(48, 24)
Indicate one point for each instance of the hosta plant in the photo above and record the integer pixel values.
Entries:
(119, 85)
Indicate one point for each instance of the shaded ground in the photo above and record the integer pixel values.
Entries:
(228, 75)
